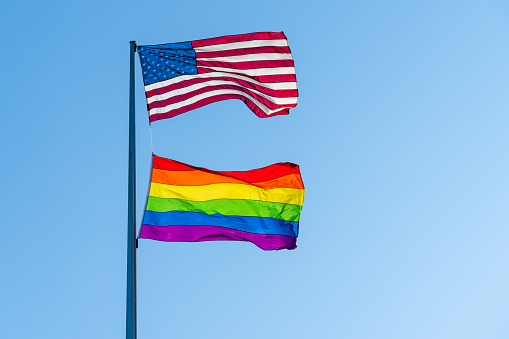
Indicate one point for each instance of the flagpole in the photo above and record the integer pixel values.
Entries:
(131, 219)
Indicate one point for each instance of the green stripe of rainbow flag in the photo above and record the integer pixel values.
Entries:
(230, 207)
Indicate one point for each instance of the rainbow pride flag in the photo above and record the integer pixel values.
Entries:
(187, 203)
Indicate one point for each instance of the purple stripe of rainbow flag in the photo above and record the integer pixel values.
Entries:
(190, 204)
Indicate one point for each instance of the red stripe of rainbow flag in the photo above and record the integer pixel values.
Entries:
(187, 203)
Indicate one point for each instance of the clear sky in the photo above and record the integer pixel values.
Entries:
(401, 133)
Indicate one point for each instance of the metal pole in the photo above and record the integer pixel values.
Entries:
(131, 219)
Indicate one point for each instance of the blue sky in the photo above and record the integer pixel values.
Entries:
(400, 132)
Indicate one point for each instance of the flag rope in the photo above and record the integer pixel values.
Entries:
(151, 145)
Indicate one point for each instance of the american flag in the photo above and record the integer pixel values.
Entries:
(256, 68)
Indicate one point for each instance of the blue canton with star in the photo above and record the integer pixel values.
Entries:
(163, 62)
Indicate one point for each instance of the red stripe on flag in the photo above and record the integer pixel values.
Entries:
(239, 38)
(263, 174)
